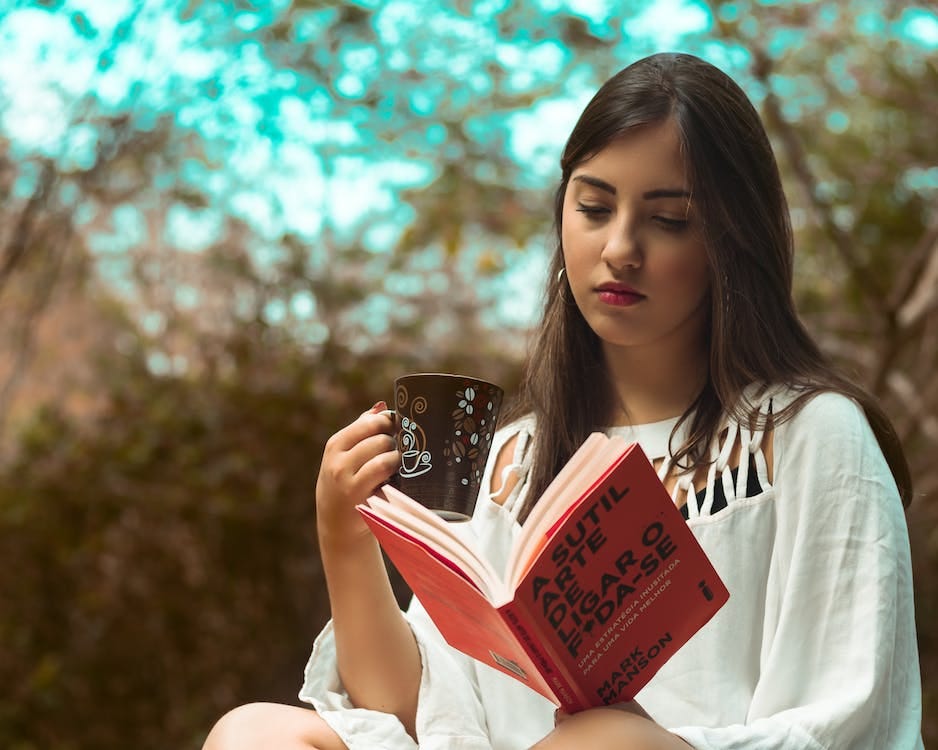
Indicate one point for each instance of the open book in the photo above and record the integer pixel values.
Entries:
(603, 584)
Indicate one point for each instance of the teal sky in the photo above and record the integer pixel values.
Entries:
(272, 131)
(49, 62)
(47, 66)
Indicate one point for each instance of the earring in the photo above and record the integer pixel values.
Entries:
(566, 295)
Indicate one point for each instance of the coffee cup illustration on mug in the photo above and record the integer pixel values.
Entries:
(415, 458)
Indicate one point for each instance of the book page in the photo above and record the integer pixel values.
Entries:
(464, 617)
(547, 503)
(587, 467)
(430, 530)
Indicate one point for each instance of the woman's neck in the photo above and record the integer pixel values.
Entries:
(653, 384)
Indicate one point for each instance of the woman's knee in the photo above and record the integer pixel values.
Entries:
(241, 727)
(254, 726)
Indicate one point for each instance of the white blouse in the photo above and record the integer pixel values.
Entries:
(815, 649)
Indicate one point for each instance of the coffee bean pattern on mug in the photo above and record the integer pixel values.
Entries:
(473, 411)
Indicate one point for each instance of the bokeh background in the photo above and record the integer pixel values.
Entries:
(226, 226)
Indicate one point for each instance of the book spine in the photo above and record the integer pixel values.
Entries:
(570, 699)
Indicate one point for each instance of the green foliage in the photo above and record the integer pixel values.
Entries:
(149, 553)
(158, 566)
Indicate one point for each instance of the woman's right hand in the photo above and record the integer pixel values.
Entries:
(356, 461)
(376, 654)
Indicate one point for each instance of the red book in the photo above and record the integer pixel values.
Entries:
(604, 583)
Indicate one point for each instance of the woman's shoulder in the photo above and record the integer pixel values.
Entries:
(828, 461)
(801, 420)
(821, 424)
(817, 409)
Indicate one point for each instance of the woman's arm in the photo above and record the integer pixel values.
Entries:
(378, 659)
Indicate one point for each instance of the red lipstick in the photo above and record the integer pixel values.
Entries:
(619, 295)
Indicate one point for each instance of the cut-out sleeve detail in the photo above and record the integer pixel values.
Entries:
(520, 466)
(690, 505)
(742, 476)
(738, 467)
(755, 445)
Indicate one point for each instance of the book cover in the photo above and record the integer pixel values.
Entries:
(606, 584)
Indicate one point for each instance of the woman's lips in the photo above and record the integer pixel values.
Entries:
(619, 295)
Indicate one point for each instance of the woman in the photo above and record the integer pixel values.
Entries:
(668, 319)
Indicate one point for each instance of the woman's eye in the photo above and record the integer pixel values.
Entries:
(674, 225)
(591, 211)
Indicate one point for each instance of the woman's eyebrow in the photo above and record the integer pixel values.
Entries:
(595, 182)
(648, 195)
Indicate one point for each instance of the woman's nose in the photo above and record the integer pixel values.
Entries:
(622, 248)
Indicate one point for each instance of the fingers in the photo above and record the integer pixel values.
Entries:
(356, 461)
(373, 460)
(359, 457)
(363, 466)
(373, 422)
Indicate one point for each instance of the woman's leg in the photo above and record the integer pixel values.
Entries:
(257, 726)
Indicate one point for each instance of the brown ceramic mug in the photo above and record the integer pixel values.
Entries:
(445, 423)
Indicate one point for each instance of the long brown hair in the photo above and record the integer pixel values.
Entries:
(755, 335)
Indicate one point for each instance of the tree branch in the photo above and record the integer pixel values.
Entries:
(23, 336)
(21, 238)
(916, 294)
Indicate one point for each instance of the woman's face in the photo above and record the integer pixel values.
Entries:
(632, 245)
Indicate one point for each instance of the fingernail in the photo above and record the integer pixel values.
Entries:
(379, 406)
